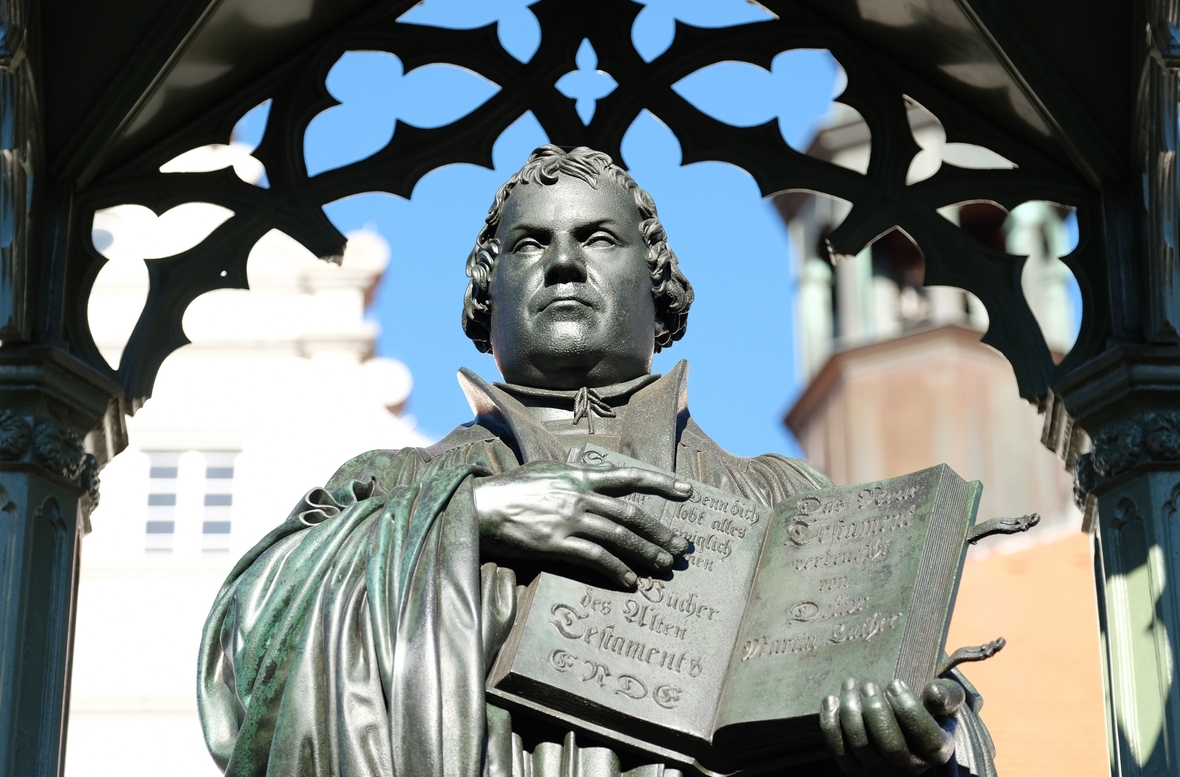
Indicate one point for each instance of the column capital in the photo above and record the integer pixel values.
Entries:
(60, 418)
(1115, 418)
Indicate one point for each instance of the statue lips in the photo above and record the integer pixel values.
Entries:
(552, 295)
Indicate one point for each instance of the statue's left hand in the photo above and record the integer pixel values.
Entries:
(870, 730)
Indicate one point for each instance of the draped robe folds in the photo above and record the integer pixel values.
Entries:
(354, 640)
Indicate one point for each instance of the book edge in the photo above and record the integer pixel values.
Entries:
(511, 700)
(502, 666)
(940, 567)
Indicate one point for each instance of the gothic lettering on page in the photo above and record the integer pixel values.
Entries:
(840, 551)
(658, 646)
(852, 581)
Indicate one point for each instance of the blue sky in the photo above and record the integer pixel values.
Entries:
(731, 244)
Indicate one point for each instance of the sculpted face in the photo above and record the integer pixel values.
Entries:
(570, 294)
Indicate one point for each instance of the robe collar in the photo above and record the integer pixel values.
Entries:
(615, 391)
(585, 402)
(655, 415)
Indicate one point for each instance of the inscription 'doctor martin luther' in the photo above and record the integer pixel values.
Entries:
(720, 660)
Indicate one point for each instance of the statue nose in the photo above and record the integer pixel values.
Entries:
(566, 263)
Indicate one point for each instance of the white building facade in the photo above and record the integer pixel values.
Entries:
(278, 388)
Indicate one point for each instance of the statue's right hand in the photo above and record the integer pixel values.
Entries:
(572, 513)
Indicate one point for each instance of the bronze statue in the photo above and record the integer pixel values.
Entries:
(356, 637)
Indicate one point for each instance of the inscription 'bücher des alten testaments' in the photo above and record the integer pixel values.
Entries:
(720, 663)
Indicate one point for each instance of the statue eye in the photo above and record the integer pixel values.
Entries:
(601, 239)
(527, 244)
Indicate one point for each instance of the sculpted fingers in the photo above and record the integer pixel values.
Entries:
(852, 726)
(885, 732)
(617, 537)
(630, 480)
(637, 519)
(928, 739)
(587, 554)
(829, 723)
(943, 698)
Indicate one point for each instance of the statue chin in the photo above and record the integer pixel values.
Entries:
(568, 354)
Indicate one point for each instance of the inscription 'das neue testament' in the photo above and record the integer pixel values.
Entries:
(826, 520)
(855, 533)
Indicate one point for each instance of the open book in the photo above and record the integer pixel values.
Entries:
(722, 663)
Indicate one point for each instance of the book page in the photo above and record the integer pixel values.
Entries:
(845, 577)
(652, 662)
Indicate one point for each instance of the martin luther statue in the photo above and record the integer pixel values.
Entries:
(355, 639)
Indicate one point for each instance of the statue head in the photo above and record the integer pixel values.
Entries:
(572, 280)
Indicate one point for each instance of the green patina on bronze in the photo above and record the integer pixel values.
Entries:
(357, 638)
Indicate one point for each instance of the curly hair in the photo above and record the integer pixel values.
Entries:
(670, 290)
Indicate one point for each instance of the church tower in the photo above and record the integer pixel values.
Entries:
(897, 380)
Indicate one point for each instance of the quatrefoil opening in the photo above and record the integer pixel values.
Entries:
(586, 85)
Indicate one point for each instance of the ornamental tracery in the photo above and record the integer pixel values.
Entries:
(883, 197)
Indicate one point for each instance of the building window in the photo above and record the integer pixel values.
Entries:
(160, 531)
(219, 480)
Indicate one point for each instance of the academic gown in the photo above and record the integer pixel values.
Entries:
(354, 640)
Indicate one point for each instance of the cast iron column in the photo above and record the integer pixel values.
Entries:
(1128, 400)
(53, 409)
(1130, 484)
(48, 485)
